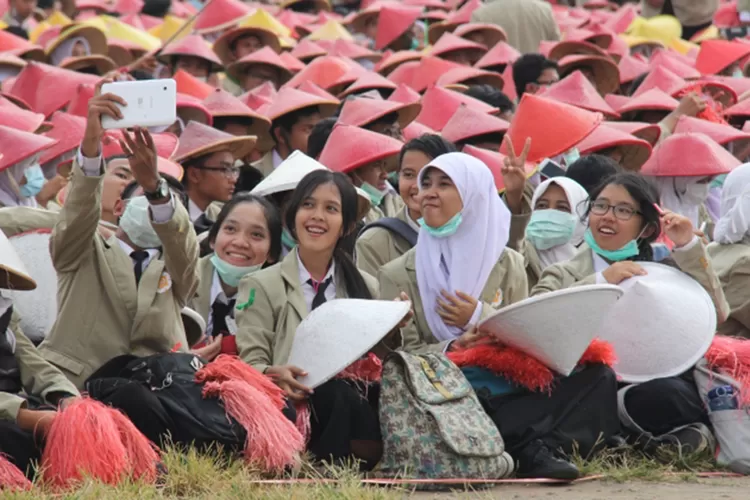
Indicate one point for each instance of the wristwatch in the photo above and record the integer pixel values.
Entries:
(161, 192)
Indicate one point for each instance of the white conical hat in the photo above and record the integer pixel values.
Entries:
(290, 172)
(194, 323)
(555, 328)
(13, 273)
(37, 308)
(662, 326)
(340, 332)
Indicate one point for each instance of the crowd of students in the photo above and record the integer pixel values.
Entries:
(459, 156)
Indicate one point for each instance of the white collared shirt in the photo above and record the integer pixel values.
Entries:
(307, 289)
(276, 158)
(152, 252)
(194, 210)
(217, 294)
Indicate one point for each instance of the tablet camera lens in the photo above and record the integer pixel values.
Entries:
(165, 88)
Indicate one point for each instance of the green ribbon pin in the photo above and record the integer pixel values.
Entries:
(249, 302)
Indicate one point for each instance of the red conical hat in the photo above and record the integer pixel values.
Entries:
(493, 34)
(451, 43)
(649, 132)
(439, 105)
(356, 71)
(221, 103)
(471, 76)
(35, 81)
(255, 102)
(79, 105)
(651, 100)
(689, 155)
(370, 147)
(223, 46)
(190, 85)
(199, 140)
(361, 111)
(392, 60)
(405, 74)
(430, 69)
(545, 47)
(265, 56)
(190, 108)
(457, 18)
(635, 151)
(323, 72)
(18, 145)
(618, 49)
(289, 100)
(660, 78)
(616, 101)
(218, 15)
(738, 113)
(292, 63)
(20, 47)
(720, 133)
(467, 123)
(313, 89)
(405, 94)
(738, 85)
(369, 81)
(68, 131)
(191, 45)
(631, 68)
(717, 55)
(565, 126)
(668, 60)
(605, 70)
(416, 129)
(501, 54)
(494, 162)
(576, 89)
(393, 21)
(356, 21)
(307, 50)
(265, 90)
(22, 119)
(292, 19)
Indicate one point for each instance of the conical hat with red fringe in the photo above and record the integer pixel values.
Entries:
(369, 81)
(573, 47)
(565, 127)
(289, 100)
(307, 50)
(494, 161)
(467, 123)
(223, 104)
(634, 151)
(414, 130)
(200, 140)
(717, 55)
(20, 47)
(323, 72)
(35, 81)
(605, 70)
(361, 111)
(651, 100)
(649, 132)
(191, 45)
(393, 21)
(631, 68)
(500, 55)
(218, 15)
(491, 33)
(439, 104)
(451, 43)
(738, 85)
(18, 145)
(392, 60)
(720, 133)
(265, 56)
(668, 60)
(689, 155)
(67, 130)
(191, 108)
(466, 75)
(370, 147)
(189, 85)
(405, 94)
(576, 89)
(22, 119)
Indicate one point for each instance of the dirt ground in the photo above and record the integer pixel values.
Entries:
(701, 489)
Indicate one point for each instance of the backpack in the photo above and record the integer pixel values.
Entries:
(433, 425)
(396, 226)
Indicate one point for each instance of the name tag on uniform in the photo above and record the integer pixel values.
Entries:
(498, 298)
(231, 325)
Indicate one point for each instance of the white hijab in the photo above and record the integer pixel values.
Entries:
(577, 196)
(734, 224)
(676, 194)
(10, 184)
(464, 260)
(65, 49)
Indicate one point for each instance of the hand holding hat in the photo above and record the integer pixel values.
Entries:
(99, 105)
(514, 174)
(286, 378)
(620, 271)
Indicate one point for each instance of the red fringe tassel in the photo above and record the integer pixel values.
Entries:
(226, 367)
(731, 355)
(11, 477)
(713, 110)
(142, 454)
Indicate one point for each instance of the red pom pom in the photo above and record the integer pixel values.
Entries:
(713, 109)
(11, 477)
(599, 352)
(142, 454)
(226, 367)
(367, 369)
(303, 420)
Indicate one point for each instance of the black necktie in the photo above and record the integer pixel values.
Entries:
(202, 224)
(320, 291)
(139, 257)
(219, 313)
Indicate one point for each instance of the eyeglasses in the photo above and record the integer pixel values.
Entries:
(228, 171)
(622, 212)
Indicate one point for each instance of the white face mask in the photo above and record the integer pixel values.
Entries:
(697, 193)
(136, 222)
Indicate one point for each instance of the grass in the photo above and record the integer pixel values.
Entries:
(210, 476)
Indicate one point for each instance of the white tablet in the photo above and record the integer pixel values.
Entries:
(150, 103)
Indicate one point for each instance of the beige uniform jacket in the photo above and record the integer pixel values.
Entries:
(527, 22)
(732, 265)
(689, 12)
(378, 246)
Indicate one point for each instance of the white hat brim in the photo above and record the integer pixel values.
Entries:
(287, 175)
(37, 308)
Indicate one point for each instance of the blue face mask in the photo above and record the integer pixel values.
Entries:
(447, 229)
(287, 239)
(34, 181)
(550, 228)
(629, 250)
(231, 274)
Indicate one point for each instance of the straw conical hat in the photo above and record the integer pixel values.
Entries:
(223, 104)
(689, 155)
(371, 147)
(673, 329)
(573, 47)
(17, 145)
(439, 105)
(575, 89)
(171, 26)
(102, 64)
(606, 73)
(261, 18)
(14, 117)
(120, 31)
(13, 273)
(289, 100)
(662, 29)
(393, 21)
(339, 332)
(35, 81)
(467, 123)
(566, 127)
(332, 30)
(95, 37)
(405, 94)
(719, 132)
(498, 56)
(543, 327)
(635, 151)
(200, 140)
(449, 42)
(22, 48)
(222, 46)
(717, 55)
(68, 130)
(219, 15)
(361, 112)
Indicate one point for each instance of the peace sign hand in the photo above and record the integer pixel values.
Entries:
(514, 174)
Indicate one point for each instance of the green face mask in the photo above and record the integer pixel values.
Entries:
(629, 250)
(447, 229)
(375, 194)
(718, 181)
(229, 273)
(287, 239)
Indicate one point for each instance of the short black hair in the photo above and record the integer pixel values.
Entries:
(490, 95)
(636, 83)
(289, 120)
(174, 186)
(528, 68)
(18, 31)
(45, 4)
(432, 145)
(221, 122)
(590, 171)
(318, 137)
(156, 8)
(139, 75)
